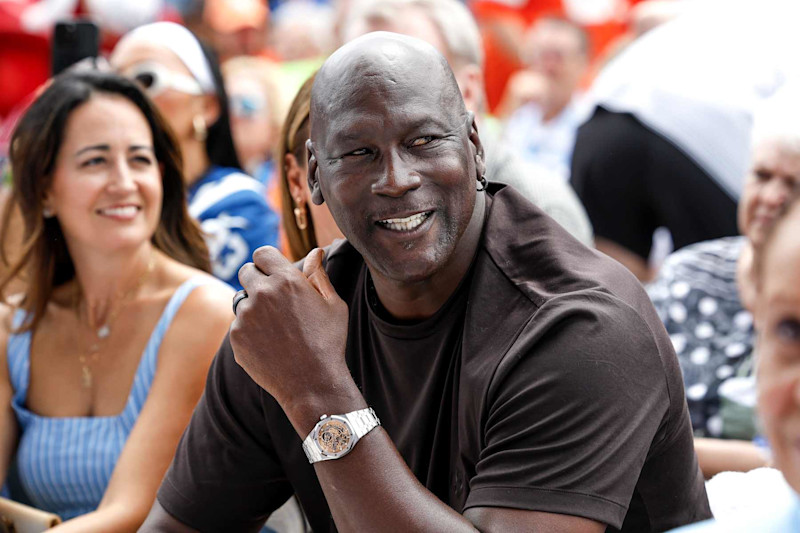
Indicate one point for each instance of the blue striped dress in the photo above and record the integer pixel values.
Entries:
(64, 464)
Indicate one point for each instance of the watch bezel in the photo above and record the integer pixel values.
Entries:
(316, 435)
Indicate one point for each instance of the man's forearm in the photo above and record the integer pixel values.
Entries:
(372, 488)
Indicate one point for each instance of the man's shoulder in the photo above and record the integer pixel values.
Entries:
(542, 260)
(542, 287)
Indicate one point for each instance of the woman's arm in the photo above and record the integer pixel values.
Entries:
(719, 455)
(184, 358)
(8, 422)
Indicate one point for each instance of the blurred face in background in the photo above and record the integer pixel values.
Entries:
(555, 50)
(778, 323)
(175, 92)
(254, 132)
(773, 180)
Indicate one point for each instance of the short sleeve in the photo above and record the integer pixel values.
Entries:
(572, 412)
(225, 475)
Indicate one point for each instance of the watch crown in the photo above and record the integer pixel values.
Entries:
(323, 417)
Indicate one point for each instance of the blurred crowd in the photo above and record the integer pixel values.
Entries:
(664, 133)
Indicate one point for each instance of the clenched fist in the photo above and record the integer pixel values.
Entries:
(290, 333)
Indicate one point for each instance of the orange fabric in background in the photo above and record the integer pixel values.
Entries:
(502, 62)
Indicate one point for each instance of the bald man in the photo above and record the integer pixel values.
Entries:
(459, 363)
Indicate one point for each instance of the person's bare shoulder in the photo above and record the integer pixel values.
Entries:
(202, 321)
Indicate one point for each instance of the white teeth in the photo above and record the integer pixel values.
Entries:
(404, 224)
(127, 211)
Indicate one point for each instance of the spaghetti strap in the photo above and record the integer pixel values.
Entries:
(147, 365)
(18, 355)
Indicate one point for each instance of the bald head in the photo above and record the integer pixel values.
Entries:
(376, 65)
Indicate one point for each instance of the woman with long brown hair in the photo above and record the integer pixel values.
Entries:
(107, 348)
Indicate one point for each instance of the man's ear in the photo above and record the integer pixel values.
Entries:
(313, 174)
(475, 140)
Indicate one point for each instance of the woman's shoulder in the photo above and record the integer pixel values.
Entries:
(204, 296)
(201, 312)
(205, 291)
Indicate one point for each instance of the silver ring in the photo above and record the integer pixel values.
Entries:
(238, 297)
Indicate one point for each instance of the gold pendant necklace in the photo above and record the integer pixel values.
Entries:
(91, 353)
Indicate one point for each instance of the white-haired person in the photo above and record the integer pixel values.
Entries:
(183, 79)
(704, 295)
(449, 27)
(769, 500)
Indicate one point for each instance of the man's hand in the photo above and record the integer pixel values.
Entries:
(290, 333)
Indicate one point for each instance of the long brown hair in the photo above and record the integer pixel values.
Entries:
(294, 133)
(43, 258)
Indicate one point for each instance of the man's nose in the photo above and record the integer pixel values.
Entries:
(397, 178)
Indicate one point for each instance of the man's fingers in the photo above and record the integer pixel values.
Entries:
(248, 274)
(269, 260)
(315, 272)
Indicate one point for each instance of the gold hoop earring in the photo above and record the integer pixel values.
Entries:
(300, 216)
(199, 128)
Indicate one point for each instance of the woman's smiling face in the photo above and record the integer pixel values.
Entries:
(106, 190)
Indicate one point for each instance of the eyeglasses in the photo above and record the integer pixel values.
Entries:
(155, 78)
(247, 105)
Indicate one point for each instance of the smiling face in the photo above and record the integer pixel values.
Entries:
(773, 180)
(396, 157)
(778, 319)
(106, 189)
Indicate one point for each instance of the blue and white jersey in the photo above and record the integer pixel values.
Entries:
(236, 219)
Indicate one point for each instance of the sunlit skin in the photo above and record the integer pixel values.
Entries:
(773, 180)
(382, 150)
(778, 321)
(106, 189)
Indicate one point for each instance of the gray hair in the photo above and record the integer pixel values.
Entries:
(452, 18)
(777, 119)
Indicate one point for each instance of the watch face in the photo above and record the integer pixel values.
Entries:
(333, 437)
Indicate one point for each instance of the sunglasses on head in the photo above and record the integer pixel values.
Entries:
(155, 78)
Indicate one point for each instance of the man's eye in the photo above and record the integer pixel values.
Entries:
(788, 330)
(421, 141)
(360, 151)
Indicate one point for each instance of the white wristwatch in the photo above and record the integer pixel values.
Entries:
(335, 435)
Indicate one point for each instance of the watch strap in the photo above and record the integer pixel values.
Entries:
(362, 421)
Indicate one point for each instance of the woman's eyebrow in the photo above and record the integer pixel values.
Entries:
(135, 147)
(103, 147)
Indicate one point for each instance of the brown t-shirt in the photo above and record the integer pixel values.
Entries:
(546, 383)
